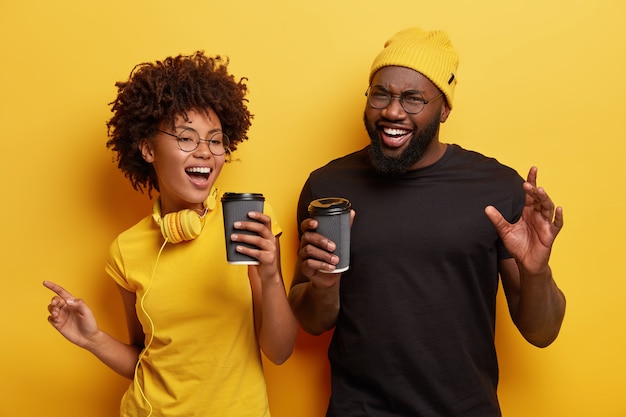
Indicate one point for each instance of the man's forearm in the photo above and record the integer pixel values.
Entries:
(541, 309)
(315, 308)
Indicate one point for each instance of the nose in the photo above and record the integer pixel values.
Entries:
(394, 109)
(203, 151)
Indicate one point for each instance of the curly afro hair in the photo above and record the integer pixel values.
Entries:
(156, 93)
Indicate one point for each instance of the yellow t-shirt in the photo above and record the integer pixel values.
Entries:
(203, 359)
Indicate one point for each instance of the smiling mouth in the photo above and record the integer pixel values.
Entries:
(395, 133)
(198, 172)
(395, 138)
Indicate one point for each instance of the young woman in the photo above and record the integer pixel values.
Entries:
(196, 324)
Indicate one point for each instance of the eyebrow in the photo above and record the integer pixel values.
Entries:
(210, 132)
(402, 92)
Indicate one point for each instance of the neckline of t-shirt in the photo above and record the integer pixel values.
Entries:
(451, 149)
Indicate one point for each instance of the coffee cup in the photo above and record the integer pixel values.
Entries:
(333, 218)
(236, 207)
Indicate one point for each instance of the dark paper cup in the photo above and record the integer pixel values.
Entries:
(333, 217)
(236, 208)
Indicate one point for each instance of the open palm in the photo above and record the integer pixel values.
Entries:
(530, 239)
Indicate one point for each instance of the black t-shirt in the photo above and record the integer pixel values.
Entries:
(415, 332)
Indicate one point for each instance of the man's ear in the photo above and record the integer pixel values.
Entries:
(147, 150)
(445, 112)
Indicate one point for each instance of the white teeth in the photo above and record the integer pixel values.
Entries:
(395, 132)
(199, 170)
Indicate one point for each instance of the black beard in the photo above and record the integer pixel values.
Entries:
(398, 165)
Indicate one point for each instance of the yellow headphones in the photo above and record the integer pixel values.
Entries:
(185, 224)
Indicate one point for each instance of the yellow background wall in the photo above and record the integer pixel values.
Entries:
(540, 82)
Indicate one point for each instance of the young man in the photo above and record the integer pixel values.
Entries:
(434, 227)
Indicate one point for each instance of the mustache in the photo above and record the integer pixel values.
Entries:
(417, 146)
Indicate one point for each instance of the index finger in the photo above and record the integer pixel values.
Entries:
(532, 176)
(308, 224)
(61, 292)
(260, 217)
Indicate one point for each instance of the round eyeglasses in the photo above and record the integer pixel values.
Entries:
(412, 102)
(188, 141)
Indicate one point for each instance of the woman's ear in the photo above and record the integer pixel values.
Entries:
(147, 150)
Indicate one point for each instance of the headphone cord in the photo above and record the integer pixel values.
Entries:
(141, 355)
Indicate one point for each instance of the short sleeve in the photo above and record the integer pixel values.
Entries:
(115, 266)
(276, 229)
